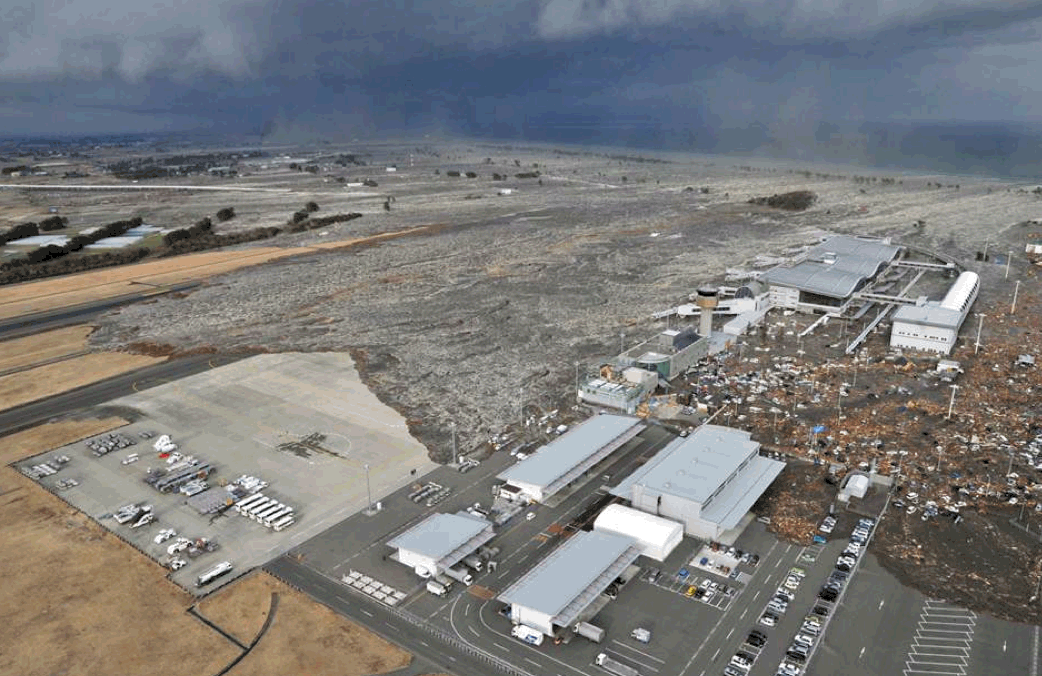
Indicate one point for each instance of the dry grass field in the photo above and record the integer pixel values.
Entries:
(15, 447)
(72, 601)
(71, 290)
(304, 637)
(22, 352)
(50, 379)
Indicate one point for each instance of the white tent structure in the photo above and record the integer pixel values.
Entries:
(655, 536)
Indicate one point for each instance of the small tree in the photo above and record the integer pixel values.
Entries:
(311, 207)
(226, 214)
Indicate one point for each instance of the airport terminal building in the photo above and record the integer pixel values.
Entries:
(707, 481)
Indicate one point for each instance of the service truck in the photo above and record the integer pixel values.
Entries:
(461, 575)
(614, 666)
(437, 588)
(590, 631)
(444, 580)
(527, 634)
(271, 519)
(473, 561)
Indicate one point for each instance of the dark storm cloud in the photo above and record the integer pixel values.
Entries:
(647, 71)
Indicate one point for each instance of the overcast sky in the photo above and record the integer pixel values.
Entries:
(537, 68)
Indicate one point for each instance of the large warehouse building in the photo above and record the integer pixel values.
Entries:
(569, 456)
(440, 541)
(657, 537)
(828, 274)
(564, 584)
(707, 481)
(933, 326)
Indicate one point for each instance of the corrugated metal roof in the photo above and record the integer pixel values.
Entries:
(572, 453)
(930, 314)
(728, 508)
(693, 467)
(852, 260)
(564, 583)
(963, 288)
(445, 538)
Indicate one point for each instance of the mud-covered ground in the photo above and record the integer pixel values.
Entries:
(505, 295)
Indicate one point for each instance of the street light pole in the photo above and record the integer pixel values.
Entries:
(455, 453)
(622, 342)
(1013, 308)
(980, 325)
(368, 491)
(951, 403)
(577, 380)
(1009, 257)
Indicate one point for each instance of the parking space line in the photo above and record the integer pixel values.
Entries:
(500, 646)
(531, 661)
(639, 652)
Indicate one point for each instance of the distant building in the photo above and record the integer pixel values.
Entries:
(625, 394)
(669, 354)
(932, 326)
(568, 457)
(557, 591)
(707, 481)
(828, 274)
(440, 541)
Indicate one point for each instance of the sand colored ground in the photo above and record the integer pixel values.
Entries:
(50, 379)
(42, 438)
(41, 347)
(75, 600)
(50, 294)
(304, 638)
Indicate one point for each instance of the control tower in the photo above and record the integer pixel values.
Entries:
(706, 298)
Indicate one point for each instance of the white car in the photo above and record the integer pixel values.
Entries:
(164, 535)
(180, 544)
(792, 582)
(529, 516)
(177, 563)
(768, 620)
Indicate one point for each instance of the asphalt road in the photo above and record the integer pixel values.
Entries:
(377, 618)
(21, 417)
(24, 325)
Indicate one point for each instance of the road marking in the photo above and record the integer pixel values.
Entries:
(729, 634)
(424, 643)
(451, 658)
(743, 613)
(862, 653)
(881, 604)
(530, 661)
(501, 647)
(1034, 653)
(473, 630)
(942, 641)
(466, 610)
(1003, 646)
(715, 655)
(639, 652)
(757, 594)
(367, 612)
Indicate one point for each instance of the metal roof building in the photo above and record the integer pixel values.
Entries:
(440, 541)
(829, 273)
(934, 326)
(561, 586)
(707, 481)
(568, 457)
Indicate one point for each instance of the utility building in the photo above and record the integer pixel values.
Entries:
(440, 541)
(656, 536)
(560, 587)
(931, 326)
(707, 481)
(569, 456)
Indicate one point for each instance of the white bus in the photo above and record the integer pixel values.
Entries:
(284, 522)
(257, 506)
(264, 513)
(272, 518)
(248, 502)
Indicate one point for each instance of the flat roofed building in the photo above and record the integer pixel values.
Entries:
(440, 541)
(561, 586)
(657, 537)
(829, 273)
(571, 455)
(707, 481)
(934, 326)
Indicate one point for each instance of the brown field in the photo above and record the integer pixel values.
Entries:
(43, 438)
(50, 379)
(75, 599)
(41, 347)
(50, 294)
(304, 638)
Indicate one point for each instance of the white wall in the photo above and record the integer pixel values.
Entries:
(913, 336)
(412, 559)
(532, 492)
(536, 620)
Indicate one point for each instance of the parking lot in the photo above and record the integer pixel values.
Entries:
(295, 422)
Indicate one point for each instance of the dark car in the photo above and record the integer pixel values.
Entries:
(756, 639)
(820, 611)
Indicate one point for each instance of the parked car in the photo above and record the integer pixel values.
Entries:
(768, 619)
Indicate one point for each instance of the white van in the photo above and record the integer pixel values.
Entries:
(527, 634)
